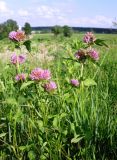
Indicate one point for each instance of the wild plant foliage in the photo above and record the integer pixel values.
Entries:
(61, 112)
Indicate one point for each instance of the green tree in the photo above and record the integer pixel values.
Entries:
(11, 25)
(67, 31)
(57, 30)
(27, 28)
(6, 27)
(3, 32)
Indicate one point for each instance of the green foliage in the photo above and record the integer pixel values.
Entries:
(89, 82)
(100, 42)
(57, 30)
(67, 31)
(2, 135)
(6, 27)
(27, 28)
(27, 44)
(26, 84)
(72, 123)
(76, 139)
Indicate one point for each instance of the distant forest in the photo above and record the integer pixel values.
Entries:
(79, 29)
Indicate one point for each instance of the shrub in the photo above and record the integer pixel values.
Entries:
(57, 30)
(67, 31)
(27, 28)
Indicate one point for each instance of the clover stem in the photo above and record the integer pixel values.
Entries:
(82, 69)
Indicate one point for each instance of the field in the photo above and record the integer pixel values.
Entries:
(71, 122)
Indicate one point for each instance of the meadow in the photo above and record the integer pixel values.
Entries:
(71, 121)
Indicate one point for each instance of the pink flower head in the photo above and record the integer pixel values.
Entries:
(46, 74)
(17, 36)
(50, 86)
(89, 37)
(40, 74)
(12, 35)
(80, 55)
(36, 74)
(20, 77)
(18, 58)
(74, 82)
(93, 54)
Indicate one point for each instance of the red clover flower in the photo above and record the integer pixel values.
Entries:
(93, 54)
(89, 37)
(40, 74)
(50, 86)
(74, 82)
(80, 55)
(20, 77)
(17, 36)
(18, 58)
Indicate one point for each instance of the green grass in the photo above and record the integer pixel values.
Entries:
(70, 124)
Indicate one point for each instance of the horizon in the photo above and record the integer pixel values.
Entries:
(76, 27)
(76, 13)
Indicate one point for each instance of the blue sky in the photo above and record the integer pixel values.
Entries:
(85, 13)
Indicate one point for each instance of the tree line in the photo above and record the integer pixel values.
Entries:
(11, 25)
(65, 30)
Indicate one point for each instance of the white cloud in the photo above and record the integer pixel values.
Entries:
(23, 13)
(61, 17)
(97, 21)
(105, 20)
(48, 12)
(4, 8)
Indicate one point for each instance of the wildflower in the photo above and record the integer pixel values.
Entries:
(36, 74)
(46, 74)
(89, 37)
(12, 35)
(20, 77)
(17, 58)
(80, 55)
(40, 74)
(74, 82)
(17, 36)
(20, 36)
(50, 86)
(93, 54)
